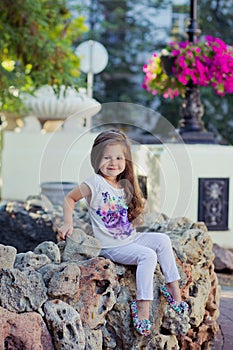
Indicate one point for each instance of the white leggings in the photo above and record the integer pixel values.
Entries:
(145, 252)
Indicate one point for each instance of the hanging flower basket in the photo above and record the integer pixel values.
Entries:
(205, 63)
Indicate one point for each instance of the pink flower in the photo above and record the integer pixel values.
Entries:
(205, 63)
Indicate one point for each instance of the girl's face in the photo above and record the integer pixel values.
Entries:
(113, 161)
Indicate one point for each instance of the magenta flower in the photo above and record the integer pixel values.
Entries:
(205, 63)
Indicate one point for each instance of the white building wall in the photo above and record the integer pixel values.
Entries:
(173, 172)
(30, 159)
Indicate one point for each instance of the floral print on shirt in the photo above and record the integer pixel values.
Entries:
(114, 214)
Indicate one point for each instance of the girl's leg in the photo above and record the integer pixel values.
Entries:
(143, 309)
(161, 244)
(174, 289)
(146, 259)
(144, 253)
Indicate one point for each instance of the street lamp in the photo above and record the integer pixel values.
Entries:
(191, 126)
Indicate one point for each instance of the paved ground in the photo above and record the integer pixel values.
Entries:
(224, 339)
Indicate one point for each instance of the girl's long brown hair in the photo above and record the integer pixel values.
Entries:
(134, 198)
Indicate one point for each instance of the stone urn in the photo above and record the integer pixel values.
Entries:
(46, 105)
(56, 191)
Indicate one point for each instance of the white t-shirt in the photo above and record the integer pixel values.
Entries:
(109, 213)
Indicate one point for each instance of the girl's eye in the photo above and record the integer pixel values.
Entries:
(108, 158)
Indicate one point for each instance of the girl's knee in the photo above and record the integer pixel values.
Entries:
(165, 241)
(168, 239)
(149, 256)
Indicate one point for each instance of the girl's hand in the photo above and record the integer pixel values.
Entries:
(65, 230)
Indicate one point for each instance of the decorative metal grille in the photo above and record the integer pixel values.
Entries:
(213, 196)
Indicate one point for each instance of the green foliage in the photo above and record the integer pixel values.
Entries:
(36, 38)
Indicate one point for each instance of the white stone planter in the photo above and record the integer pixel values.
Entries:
(46, 105)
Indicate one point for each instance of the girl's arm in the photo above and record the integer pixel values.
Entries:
(68, 207)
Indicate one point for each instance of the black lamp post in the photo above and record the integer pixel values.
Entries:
(193, 30)
(191, 127)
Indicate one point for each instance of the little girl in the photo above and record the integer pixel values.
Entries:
(115, 206)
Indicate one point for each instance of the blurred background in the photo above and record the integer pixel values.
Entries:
(39, 38)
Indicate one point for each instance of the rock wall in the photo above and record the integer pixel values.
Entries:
(65, 296)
